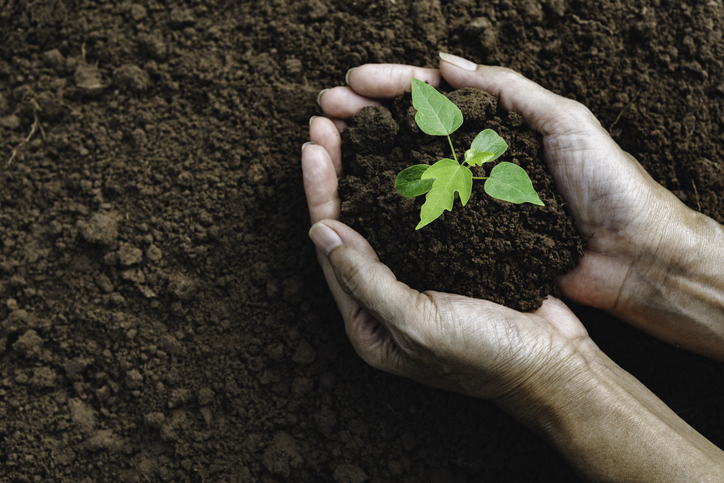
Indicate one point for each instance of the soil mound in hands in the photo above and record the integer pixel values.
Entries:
(490, 249)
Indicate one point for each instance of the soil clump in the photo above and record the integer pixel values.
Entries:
(490, 249)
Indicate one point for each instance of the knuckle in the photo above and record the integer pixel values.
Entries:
(509, 76)
(576, 114)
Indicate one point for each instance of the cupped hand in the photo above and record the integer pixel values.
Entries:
(541, 366)
(638, 232)
(448, 341)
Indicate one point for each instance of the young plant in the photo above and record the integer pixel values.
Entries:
(438, 116)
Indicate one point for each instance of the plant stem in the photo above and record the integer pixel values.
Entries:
(481, 177)
(455, 156)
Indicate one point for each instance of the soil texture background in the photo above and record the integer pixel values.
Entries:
(162, 315)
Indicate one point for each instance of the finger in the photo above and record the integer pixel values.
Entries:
(343, 102)
(368, 281)
(371, 339)
(543, 111)
(320, 183)
(386, 81)
(322, 131)
(339, 124)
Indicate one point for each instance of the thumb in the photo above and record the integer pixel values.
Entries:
(364, 278)
(542, 110)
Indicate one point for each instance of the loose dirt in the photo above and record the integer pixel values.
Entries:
(162, 315)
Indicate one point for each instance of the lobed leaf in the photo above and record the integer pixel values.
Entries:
(436, 114)
(409, 184)
(450, 178)
(488, 141)
(509, 182)
(477, 159)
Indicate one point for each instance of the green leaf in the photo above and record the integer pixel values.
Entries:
(450, 178)
(436, 114)
(477, 159)
(509, 182)
(409, 184)
(489, 141)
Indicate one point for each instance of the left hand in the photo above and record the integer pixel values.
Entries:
(443, 340)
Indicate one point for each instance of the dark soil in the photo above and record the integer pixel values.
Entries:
(495, 250)
(162, 314)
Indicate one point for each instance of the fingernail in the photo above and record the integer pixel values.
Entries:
(319, 96)
(459, 62)
(308, 143)
(349, 73)
(324, 237)
(311, 119)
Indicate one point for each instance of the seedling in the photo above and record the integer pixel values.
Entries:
(438, 116)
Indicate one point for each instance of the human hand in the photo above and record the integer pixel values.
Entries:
(650, 260)
(466, 345)
(541, 367)
(639, 234)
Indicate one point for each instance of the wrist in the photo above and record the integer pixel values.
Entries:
(674, 288)
(611, 428)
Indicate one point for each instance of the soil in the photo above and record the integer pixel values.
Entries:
(491, 249)
(162, 314)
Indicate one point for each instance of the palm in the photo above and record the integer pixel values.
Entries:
(613, 201)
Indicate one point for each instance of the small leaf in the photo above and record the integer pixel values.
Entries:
(436, 114)
(489, 141)
(450, 178)
(509, 182)
(477, 159)
(409, 184)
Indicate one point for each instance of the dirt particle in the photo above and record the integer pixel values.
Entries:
(293, 65)
(304, 354)
(30, 344)
(205, 396)
(131, 78)
(282, 455)
(104, 439)
(315, 9)
(171, 428)
(43, 377)
(61, 452)
(154, 46)
(171, 345)
(137, 12)
(10, 122)
(178, 397)
(129, 255)
(154, 420)
(256, 175)
(82, 415)
(101, 229)
(104, 283)
(180, 18)
(349, 474)
(135, 275)
(182, 287)
(134, 379)
(75, 367)
(154, 253)
(138, 138)
(87, 77)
